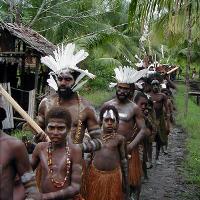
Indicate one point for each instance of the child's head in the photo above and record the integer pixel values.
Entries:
(58, 123)
(141, 100)
(109, 118)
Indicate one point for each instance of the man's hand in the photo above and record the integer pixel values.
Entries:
(41, 137)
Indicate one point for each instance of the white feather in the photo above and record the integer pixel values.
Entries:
(65, 58)
(52, 83)
(78, 86)
(128, 75)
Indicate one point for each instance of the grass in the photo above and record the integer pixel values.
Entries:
(97, 97)
(191, 124)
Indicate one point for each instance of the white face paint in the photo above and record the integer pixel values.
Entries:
(109, 122)
(109, 114)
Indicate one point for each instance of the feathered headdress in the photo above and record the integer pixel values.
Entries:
(127, 75)
(65, 59)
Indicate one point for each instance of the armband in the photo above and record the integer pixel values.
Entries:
(28, 176)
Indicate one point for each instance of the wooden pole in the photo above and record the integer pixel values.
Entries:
(172, 70)
(17, 107)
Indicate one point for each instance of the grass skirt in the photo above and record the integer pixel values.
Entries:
(135, 168)
(104, 185)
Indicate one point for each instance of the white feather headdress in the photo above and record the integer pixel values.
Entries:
(127, 75)
(65, 59)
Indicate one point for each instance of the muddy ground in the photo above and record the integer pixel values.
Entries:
(166, 181)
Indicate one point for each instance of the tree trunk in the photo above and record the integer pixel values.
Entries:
(187, 77)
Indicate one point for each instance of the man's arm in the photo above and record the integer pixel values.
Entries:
(167, 111)
(139, 118)
(170, 83)
(124, 166)
(74, 188)
(41, 137)
(35, 157)
(94, 132)
(25, 172)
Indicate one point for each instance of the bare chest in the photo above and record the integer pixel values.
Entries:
(55, 161)
(75, 108)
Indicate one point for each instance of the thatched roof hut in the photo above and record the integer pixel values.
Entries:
(20, 51)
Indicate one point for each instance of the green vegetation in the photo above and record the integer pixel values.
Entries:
(98, 97)
(19, 133)
(192, 126)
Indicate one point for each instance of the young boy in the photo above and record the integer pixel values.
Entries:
(60, 159)
(108, 173)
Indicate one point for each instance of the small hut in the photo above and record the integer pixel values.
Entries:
(20, 51)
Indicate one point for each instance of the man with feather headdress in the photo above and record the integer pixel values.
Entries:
(66, 78)
(131, 121)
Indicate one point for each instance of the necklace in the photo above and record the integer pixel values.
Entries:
(108, 137)
(76, 137)
(58, 184)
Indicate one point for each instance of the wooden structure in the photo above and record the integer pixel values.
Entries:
(20, 51)
(195, 90)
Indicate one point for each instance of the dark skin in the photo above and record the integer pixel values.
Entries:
(142, 103)
(14, 162)
(129, 114)
(57, 131)
(87, 112)
(112, 152)
(159, 102)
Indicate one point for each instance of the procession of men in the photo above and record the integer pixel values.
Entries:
(80, 155)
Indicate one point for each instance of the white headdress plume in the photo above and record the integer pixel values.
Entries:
(65, 59)
(127, 75)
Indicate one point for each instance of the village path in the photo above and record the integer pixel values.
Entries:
(166, 181)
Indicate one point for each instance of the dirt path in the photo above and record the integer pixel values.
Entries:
(166, 181)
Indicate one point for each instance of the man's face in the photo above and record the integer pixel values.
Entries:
(65, 82)
(57, 130)
(123, 91)
(155, 88)
(109, 123)
(142, 103)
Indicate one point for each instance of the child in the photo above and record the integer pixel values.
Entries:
(108, 173)
(60, 160)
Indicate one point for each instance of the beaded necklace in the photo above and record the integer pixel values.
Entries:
(58, 184)
(107, 137)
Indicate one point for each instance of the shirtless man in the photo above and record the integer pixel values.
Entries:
(131, 125)
(104, 180)
(14, 161)
(60, 159)
(67, 81)
(160, 102)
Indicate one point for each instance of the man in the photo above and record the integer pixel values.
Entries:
(160, 102)
(14, 161)
(60, 159)
(66, 79)
(131, 121)
(105, 174)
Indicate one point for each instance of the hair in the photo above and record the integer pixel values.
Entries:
(59, 113)
(2, 116)
(139, 95)
(108, 107)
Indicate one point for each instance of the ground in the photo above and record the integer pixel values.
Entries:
(166, 181)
